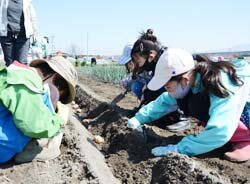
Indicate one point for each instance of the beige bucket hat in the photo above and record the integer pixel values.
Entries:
(64, 68)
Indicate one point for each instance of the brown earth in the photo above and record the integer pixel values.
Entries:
(67, 168)
(128, 153)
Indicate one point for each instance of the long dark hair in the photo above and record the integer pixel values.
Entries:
(211, 77)
(200, 57)
(146, 42)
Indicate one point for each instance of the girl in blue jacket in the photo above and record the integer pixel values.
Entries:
(217, 93)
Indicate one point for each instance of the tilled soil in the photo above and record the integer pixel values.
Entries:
(128, 153)
(67, 168)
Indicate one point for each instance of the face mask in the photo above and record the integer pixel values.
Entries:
(180, 93)
(149, 66)
(50, 96)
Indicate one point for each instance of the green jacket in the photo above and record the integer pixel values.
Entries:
(21, 92)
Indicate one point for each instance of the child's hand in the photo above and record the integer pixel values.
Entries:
(63, 112)
(124, 83)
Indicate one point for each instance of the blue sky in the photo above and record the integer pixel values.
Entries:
(195, 25)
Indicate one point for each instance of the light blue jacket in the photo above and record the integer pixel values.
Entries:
(224, 113)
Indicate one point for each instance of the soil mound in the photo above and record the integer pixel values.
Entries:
(128, 153)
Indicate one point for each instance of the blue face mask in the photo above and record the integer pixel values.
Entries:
(179, 92)
(50, 96)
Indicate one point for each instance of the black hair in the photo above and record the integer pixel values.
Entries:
(211, 76)
(146, 43)
(177, 78)
(127, 69)
(148, 35)
(200, 58)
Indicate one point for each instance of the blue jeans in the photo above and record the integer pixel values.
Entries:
(15, 48)
(245, 117)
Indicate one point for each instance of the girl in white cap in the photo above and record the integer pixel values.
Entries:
(217, 93)
(145, 53)
(136, 81)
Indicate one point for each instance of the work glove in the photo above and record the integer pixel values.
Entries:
(63, 112)
(134, 124)
(164, 150)
(125, 83)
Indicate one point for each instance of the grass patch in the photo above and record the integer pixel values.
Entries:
(109, 73)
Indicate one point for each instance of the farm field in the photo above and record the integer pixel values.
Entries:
(128, 154)
(125, 153)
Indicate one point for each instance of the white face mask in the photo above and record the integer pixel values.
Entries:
(180, 93)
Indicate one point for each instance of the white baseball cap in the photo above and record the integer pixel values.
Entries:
(126, 55)
(172, 62)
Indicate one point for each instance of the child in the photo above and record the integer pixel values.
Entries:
(132, 82)
(39, 47)
(28, 100)
(136, 81)
(145, 54)
(213, 92)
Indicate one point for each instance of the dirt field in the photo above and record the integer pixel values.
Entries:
(128, 153)
(68, 168)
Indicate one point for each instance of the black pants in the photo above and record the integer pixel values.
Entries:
(150, 95)
(15, 48)
(196, 105)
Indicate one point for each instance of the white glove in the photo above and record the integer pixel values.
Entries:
(164, 150)
(63, 111)
(134, 124)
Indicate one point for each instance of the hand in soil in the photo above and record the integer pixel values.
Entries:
(164, 150)
(134, 124)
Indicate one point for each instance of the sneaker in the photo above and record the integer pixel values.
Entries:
(240, 153)
(179, 126)
(40, 149)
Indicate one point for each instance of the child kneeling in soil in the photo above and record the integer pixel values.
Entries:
(145, 54)
(137, 81)
(29, 97)
(132, 82)
(217, 93)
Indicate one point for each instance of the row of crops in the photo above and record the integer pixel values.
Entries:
(109, 73)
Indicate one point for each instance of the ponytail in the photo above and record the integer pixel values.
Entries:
(146, 42)
(211, 78)
(148, 36)
(200, 58)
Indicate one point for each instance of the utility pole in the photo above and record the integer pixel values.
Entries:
(52, 45)
(82, 50)
(87, 46)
